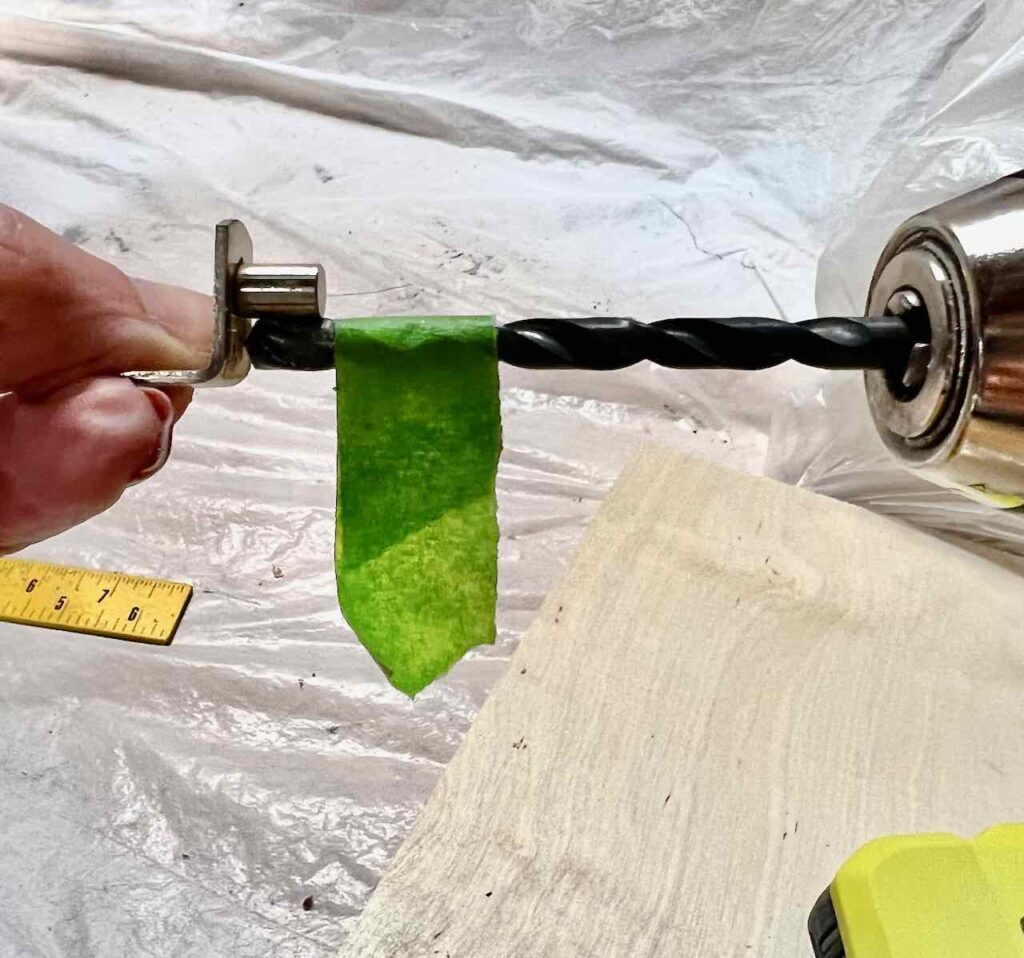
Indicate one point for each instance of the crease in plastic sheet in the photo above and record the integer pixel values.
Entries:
(548, 157)
(419, 436)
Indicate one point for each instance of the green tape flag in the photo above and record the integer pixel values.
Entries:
(419, 433)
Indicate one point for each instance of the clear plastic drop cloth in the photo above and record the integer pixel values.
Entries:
(241, 792)
(970, 133)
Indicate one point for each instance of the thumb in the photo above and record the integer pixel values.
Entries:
(70, 455)
(66, 315)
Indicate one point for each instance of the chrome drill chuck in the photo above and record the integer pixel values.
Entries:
(955, 273)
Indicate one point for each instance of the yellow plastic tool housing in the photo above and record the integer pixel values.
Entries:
(934, 896)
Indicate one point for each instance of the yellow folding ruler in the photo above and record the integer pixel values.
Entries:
(86, 600)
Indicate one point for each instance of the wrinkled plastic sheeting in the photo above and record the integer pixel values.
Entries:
(969, 134)
(648, 158)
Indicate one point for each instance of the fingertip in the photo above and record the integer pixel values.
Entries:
(165, 413)
(70, 455)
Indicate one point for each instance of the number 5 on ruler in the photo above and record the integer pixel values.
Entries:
(88, 601)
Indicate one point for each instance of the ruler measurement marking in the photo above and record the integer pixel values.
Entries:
(58, 597)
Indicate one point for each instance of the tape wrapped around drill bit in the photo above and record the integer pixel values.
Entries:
(419, 435)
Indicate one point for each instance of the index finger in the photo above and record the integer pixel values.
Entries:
(66, 315)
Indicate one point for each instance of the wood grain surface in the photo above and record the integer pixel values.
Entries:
(735, 685)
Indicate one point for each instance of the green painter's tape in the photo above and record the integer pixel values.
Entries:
(419, 434)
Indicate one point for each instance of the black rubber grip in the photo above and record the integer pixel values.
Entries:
(823, 927)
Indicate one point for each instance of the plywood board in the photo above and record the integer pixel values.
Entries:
(736, 684)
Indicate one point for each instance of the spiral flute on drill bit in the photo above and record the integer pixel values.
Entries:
(605, 343)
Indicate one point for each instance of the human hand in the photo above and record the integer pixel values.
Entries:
(74, 434)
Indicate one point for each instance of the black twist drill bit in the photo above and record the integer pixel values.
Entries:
(739, 342)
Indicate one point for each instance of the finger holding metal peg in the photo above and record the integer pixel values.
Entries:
(243, 291)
